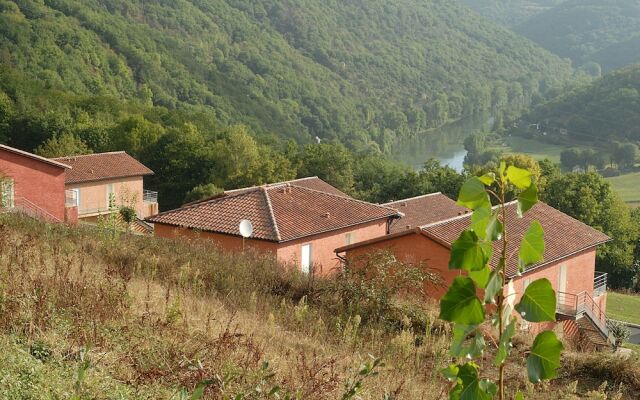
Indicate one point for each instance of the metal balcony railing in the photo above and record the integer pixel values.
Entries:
(599, 284)
(582, 304)
(149, 196)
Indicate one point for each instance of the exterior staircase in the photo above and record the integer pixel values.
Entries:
(590, 320)
(26, 207)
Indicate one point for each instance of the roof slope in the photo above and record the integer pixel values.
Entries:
(312, 182)
(34, 156)
(100, 166)
(278, 213)
(563, 235)
(423, 210)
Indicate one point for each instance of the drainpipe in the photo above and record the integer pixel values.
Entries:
(392, 219)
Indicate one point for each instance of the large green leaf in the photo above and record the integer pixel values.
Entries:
(527, 199)
(538, 303)
(488, 178)
(481, 277)
(493, 287)
(472, 194)
(504, 345)
(464, 344)
(486, 224)
(520, 178)
(468, 252)
(470, 386)
(531, 246)
(460, 304)
(544, 359)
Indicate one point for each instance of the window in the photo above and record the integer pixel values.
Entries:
(305, 261)
(110, 196)
(76, 197)
(349, 238)
(7, 194)
(562, 279)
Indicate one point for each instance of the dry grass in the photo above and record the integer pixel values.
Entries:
(160, 316)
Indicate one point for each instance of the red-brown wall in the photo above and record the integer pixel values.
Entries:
(38, 182)
(415, 248)
(322, 245)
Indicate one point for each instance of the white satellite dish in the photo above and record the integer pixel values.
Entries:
(246, 228)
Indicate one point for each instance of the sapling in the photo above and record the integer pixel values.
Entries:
(472, 252)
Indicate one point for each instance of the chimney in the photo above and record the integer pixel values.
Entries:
(326, 215)
(408, 227)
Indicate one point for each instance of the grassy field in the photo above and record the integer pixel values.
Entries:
(536, 149)
(628, 186)
(623, 307)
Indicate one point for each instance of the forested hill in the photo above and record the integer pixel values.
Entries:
(510, 12)
(606, 32)
(606, 109)
(363, 71)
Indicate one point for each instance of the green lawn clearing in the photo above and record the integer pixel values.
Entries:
(623, 307)
(627, 186)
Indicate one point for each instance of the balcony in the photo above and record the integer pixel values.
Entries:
(599, 284)
(149, 196)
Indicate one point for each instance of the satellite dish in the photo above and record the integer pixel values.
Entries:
(246, 228)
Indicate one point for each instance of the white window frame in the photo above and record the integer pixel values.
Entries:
(349, 238)
(76, 195)
(306, 265)
(110, 191)
(562, 278)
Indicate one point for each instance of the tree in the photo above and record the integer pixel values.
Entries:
(625, 155)
(201, 192)
(570, 158)
(588, 197)
(65, 144)
(331, 162)
(440, 178)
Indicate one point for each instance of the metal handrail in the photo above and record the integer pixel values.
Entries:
(25, 206)
(599, 283)
(149, 196)
(583, 304)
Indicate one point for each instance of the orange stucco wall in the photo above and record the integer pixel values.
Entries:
(226, 242)
(414, 248)
(36, 181)
(322, 246)
(93, 196)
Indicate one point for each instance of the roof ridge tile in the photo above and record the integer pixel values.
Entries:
(274, 221)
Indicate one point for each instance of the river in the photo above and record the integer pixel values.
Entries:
(445, 143)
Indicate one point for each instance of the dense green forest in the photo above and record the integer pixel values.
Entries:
(600, 112)
(510, 12)
(363, 72)
(605, 32)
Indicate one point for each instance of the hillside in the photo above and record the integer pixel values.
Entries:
(510, 12)
(357, 71)
(86, 315)
(603, 110)
(602, 31)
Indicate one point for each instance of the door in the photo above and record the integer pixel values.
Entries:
(562, 279)
(306, 259)
(111, 200)
(7, 193)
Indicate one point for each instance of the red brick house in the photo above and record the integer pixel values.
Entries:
(569, 260)
(34, 185)
(95, 180)
(299, 221)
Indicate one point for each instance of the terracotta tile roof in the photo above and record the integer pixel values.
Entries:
(312, 182)
(563, 234)
(100, 166)
(278, 213)
(423, 210)
(34, 156)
